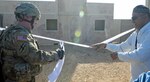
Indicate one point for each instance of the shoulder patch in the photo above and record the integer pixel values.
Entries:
(22, 38)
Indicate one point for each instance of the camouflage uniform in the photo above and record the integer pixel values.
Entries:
(21, 56)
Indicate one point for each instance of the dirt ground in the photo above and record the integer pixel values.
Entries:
(88, 65)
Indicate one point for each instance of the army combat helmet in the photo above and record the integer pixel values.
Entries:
(27, 9)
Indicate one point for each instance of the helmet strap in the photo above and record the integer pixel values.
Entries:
(19, 16)
(31, 22)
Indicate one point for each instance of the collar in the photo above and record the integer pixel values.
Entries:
(18, 25)
(144, 28)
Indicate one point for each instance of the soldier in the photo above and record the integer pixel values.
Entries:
(22, 59)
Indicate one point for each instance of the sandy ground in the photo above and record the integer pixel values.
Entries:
(87, 65)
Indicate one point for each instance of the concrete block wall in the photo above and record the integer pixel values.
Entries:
(98, 11)
(70, 20)
(120, 26)
(148, 3)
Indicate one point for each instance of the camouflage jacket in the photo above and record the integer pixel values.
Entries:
(21, 55)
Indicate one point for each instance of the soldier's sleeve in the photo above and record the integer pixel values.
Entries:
(27, 49)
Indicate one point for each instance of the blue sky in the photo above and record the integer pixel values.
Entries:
(122, 8)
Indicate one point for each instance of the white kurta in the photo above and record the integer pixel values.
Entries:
(138, 58)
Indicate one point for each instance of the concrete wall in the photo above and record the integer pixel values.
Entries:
(69, 11)
(126, 25)
(120, 26)
(6, 12)
(98, 11)
(148, 3)
(70, 20)
(116, 29)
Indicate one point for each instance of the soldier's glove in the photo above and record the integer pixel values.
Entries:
(60, 53)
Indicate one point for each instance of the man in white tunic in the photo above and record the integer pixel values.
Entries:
(136, 49)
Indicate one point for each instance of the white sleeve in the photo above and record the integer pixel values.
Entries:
(122, 47)
(141, 54)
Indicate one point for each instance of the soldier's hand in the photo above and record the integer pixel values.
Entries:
(99, 46)
(60, 53)
(114, 55)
